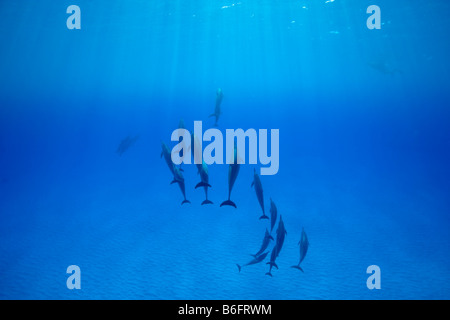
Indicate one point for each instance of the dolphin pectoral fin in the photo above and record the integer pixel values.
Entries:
(185, 201)
(175, 181)
(212, 115)
(207, 202)
(239, 267)
(263, 217)
(253, 183)
(298, 267)
(181, 169)
(202, 184)
(270, 237)
(160, 156)
(228, 203)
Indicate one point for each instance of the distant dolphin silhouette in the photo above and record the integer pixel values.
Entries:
(233, 171)
(126, 143)
(256, 260)
(265, 244)
(273, 214)
(259, 192)
(304, 244)
(384, 67)
(178, 178)
(217, 111)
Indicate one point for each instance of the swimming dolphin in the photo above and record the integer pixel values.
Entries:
(265, 244)
(384, 67)
(167, 156)
(304, 244)
(259, 192)
(217, 112)
(281, 235)
(204, 178)
(254, 261)
(273, 257)
(126, 143)
(233, 171)
(273, 214)
(178, 178)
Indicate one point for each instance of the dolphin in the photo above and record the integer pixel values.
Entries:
(217, 112)
(384, 67)
(204, 178)
(281, 235)
(304, 244)
(126, 143)
(233, 171)
(265, 244)
(167, 156)
(273, 257)
(178, 178)
(273, 214)
(259, 192)
(256, 260)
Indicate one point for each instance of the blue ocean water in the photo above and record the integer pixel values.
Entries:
(364, 148)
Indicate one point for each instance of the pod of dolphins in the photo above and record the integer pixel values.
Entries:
(233, 171)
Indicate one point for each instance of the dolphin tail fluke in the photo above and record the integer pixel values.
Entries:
(202, 184)
(228, 203)
(263, 217)
(185, 201)
(207, 202)
(239, 267)
(298, 267)
(268, 274)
